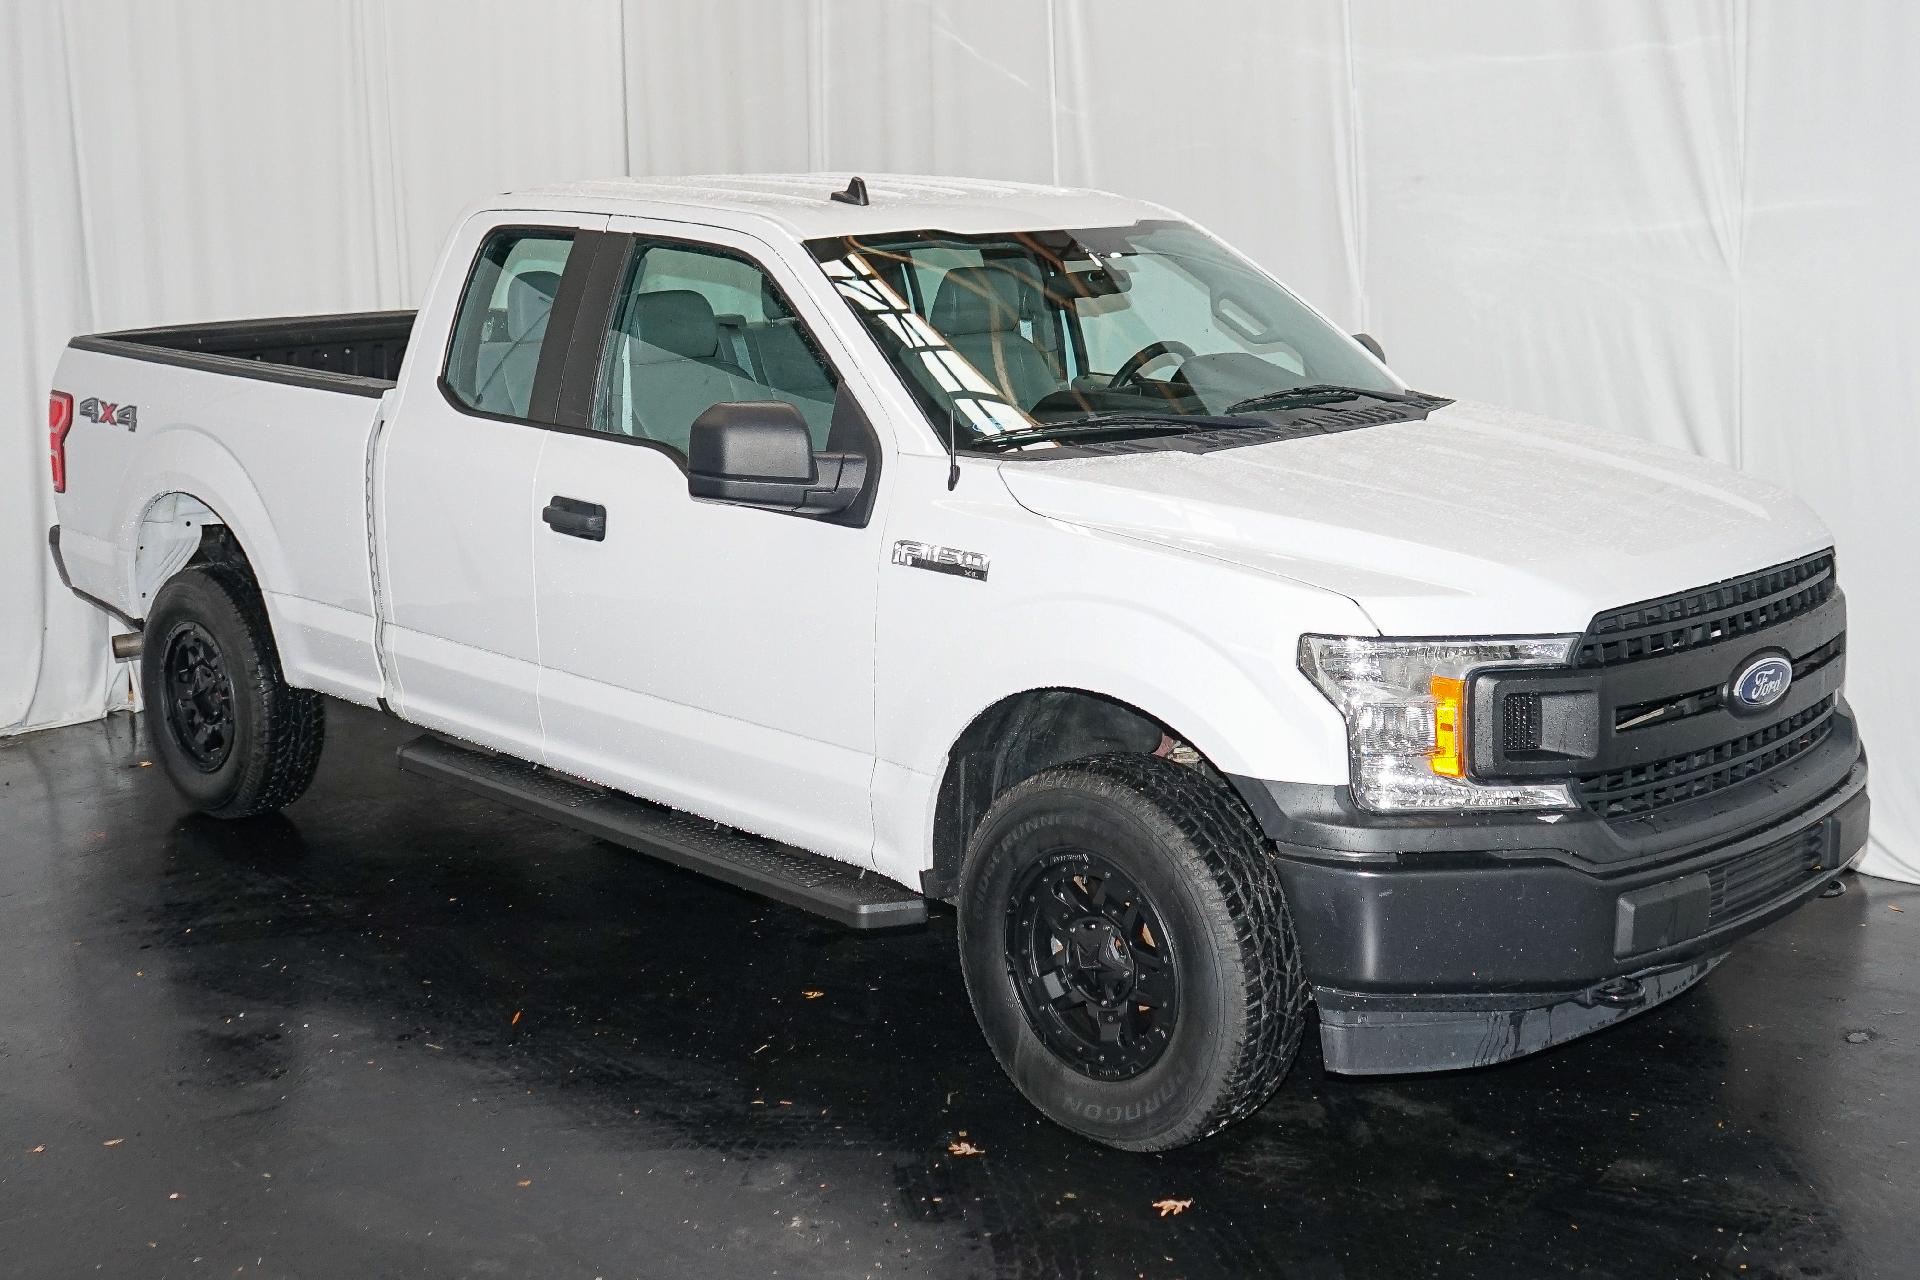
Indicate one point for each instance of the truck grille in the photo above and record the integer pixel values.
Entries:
(1640, 788)
(1737, 887)
(1735, 607)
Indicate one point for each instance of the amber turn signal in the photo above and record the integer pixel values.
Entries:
(1448, 757)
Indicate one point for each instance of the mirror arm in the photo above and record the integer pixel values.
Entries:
(839, 477)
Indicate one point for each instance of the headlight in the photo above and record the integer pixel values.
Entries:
(1405, 707)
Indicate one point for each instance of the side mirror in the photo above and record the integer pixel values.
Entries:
(759, 453)
(1372, 344)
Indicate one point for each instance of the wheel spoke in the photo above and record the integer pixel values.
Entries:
(1058, 915)
(1153, 988)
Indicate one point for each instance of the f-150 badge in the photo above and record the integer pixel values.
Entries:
(924, 555)
(93, 409)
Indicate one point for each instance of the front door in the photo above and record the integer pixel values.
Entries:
(713, 657)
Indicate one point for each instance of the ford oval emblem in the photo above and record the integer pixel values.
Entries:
(1762, 682)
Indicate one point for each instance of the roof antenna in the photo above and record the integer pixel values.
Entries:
(856, 192)
(953, 453)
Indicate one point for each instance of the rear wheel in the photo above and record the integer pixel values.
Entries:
(1128, 951)
(234, 738)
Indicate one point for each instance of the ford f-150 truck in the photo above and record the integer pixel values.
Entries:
(871, 543)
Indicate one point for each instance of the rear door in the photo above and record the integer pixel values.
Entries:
(455, 481)
(713, 657)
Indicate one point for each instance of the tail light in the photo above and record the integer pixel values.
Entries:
(59, 422)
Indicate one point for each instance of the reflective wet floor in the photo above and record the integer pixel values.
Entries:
(400, 1031)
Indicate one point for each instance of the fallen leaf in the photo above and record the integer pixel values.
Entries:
(1173, 1208)
(146, 764)
(964, 1149)
(813, 995)
(173, 1195)
(526, 1182)
(113, 1142)
(1901, 910)
(39, 1150)
(516, 1019)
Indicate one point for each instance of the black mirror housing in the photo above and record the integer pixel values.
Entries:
(759, 453)
(1372, 344)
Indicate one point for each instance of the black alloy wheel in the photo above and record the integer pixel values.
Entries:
(231, 734)
(199, 697)
(1128, 951)
(1094, 965)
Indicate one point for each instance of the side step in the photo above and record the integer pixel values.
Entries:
(826, 886)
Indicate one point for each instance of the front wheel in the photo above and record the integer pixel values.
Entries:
(1128, 951)
(234, 738)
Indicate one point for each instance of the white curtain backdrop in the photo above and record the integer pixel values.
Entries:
(1687, 221)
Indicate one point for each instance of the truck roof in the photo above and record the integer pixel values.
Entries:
(801, 204)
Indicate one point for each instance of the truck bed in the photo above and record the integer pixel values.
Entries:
(357, 352)
(263, 426)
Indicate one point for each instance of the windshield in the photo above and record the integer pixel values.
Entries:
(1016, 330)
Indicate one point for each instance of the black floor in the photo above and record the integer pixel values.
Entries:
(402, 1032)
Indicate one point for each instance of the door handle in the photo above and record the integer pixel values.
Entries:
(576, 519)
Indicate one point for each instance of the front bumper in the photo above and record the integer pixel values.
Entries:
(1433, 943)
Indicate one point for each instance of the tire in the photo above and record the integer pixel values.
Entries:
(1201, 935)
(234, 738)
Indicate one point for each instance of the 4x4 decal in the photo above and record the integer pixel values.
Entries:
(95, 409)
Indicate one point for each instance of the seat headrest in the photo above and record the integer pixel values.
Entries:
(988, 298)
(530, 302)
(679, 322)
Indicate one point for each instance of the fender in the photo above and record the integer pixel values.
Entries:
(319, 602)
(1268, 723)
(1231, 691)
(188, 461)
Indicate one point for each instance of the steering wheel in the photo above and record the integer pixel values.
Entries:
(1130, 368)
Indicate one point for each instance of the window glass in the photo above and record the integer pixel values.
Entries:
(698, 326)
(503, 319)
(731, 286)
(1006, 331)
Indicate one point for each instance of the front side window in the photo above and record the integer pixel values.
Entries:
(502, 323)
(1008, 332)
(695, 326)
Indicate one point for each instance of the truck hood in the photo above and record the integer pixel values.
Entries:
(1476, 521)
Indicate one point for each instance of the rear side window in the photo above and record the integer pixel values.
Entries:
(696, 326)
(503, 319)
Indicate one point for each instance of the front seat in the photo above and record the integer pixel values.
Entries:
(670, 370)
(977, 310)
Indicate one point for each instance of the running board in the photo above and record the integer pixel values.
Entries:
(825, 886)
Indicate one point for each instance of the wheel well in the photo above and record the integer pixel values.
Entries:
(179, 530)
(1018, 737)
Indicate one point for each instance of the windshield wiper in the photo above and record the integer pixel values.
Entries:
(1316, 392)
(1104, 424)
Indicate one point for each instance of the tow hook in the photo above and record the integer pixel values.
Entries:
(1619, 993)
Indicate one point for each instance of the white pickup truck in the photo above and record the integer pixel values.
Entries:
(876, 542)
